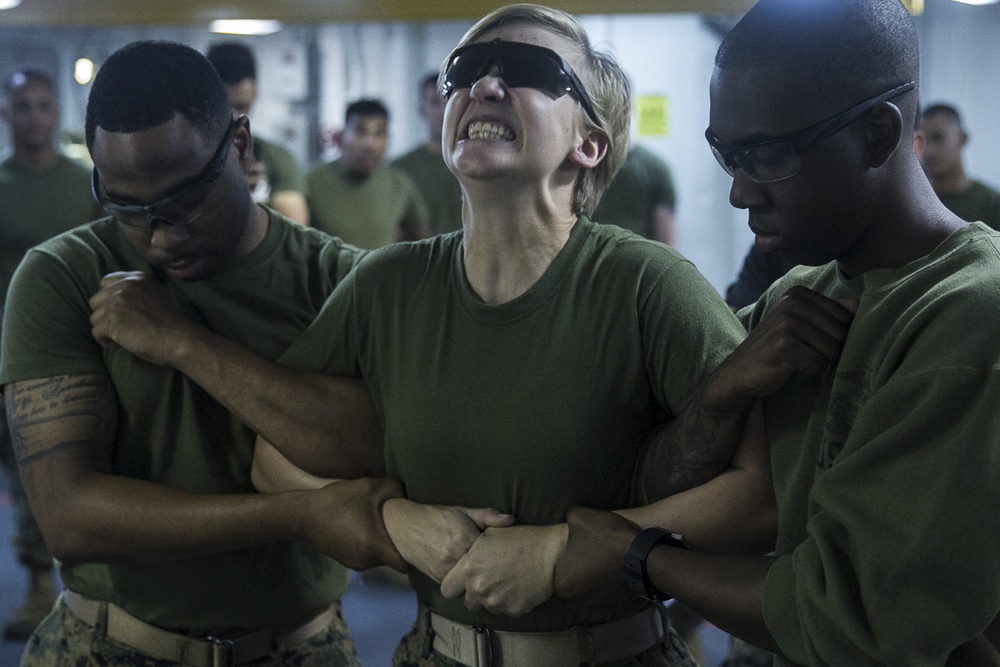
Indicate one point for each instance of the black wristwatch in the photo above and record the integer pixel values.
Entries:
(634, 562)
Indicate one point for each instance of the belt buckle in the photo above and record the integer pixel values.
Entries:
(484, 647)
(222, 652)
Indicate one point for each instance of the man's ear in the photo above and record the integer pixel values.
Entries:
(883, 133)
(590, 151)
(243, 142)
(338, 138)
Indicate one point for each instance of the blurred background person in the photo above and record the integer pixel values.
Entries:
(275, 178)
(359, 198)
(44, 193)
(641, 198)
(945, 139)
(425, 165)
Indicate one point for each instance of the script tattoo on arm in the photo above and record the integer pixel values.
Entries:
(60, 425)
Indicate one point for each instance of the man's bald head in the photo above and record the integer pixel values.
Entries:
(827, 53)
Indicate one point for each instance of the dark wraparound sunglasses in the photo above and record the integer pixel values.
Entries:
(520, 66)
(145, 216)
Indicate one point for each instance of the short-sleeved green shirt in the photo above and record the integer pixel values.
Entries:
(37, 205)
(170, 431)
(364, 212)
(977, 203)
(437, 185)
(283, 173)
(643, 184)
(532, 405)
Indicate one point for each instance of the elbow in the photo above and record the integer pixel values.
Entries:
(66, 540)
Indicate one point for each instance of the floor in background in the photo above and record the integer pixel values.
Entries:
(378, 613)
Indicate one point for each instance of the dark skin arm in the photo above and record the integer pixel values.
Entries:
(325, 425)
(64, 429)
(726, 590)
(804, 333)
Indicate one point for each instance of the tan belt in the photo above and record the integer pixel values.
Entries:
(595, 644)
(126, 629)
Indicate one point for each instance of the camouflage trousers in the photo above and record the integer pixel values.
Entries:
(28, 543)
(415, 650)
(63, 640)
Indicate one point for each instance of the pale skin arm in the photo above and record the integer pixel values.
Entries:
(324, 424)
(804, 333)
(512, 570)
(292, 205)
(710, 465)
(432, 538)
(63, 429)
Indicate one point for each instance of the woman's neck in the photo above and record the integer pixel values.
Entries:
(511, 240)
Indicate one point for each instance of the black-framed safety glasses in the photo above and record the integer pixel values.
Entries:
(520, 65)
(145, 216)
(778, 158)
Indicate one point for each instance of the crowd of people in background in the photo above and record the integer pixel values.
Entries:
(226, 380)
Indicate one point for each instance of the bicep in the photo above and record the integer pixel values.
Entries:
(61, 427)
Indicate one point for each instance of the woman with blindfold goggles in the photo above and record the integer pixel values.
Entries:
(525, 362)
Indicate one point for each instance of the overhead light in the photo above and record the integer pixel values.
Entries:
(9, 4)
(978, 2)
(83, 71)
(244, 26)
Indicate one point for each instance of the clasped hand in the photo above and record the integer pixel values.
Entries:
(803, 333)
(477, 553)
(508, 570)
(136, 312)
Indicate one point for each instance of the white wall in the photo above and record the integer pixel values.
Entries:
(307, 74)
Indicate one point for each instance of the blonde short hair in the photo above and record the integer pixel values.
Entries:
(604, 80)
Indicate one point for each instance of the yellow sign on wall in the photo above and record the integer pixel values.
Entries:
(653, 114)
(915, 7)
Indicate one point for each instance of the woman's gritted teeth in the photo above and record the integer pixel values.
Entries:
(490, 130)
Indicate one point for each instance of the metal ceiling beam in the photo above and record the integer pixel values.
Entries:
(104, 13)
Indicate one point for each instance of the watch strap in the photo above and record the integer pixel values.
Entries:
(634, 562)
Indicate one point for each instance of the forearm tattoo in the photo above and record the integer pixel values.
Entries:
(692, 449)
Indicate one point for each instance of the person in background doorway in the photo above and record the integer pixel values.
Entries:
(426, 167)
(641, 198)
(274, 176)
(359, 198)
(945, 140)
(43, 193)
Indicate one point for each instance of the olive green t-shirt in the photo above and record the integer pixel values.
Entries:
(438, 187)
(977, 203)
(642, 185)
(366, 212)
(886, 467)
(533, 405)
(37, 205)
(170, 431)
(283, 173)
